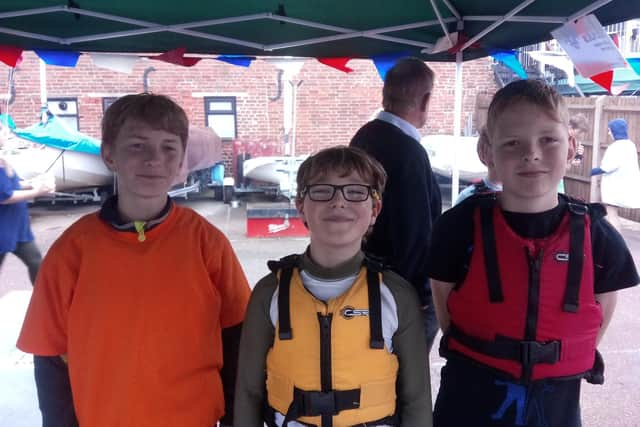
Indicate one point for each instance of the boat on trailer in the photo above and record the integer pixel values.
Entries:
(443, 148)
(73, 159)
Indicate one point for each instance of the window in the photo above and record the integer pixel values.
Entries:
(106, 102)
(220, 114)
(66, 109)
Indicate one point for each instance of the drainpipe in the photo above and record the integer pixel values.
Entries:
(145, 78)
(279, 94)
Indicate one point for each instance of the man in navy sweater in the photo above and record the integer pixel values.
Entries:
(411, 200)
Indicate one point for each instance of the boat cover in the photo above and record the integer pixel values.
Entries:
(54, 133)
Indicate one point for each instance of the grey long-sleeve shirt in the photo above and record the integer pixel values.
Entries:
(408, 343)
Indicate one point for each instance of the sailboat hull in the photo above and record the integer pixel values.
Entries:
(72, 170)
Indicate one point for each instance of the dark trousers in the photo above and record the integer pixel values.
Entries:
(30, 255)
(471, 395)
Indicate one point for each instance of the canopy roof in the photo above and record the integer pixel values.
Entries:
(318, 28)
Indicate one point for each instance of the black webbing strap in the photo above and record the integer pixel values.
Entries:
(285, 266)
(393, 420)
(490, 251)
(375, 309)
(322, 404)
(577, 214)
(527, 353)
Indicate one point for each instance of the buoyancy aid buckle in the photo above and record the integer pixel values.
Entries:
(577, 208)
(533, 352)
(528, 353)
(320, 403)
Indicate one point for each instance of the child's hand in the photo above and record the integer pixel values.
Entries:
(43, 184)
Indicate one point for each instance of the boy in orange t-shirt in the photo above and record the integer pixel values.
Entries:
(136, 306)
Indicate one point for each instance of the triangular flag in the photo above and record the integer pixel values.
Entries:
(635, 64)
(60, 58)
(239, 60)
(119, 63)
(176, 56)
(510, 59)
(615, 39)
(442, 44)
(337, 63)
(10, 55)
(384, 63)
(462, 39)
(604, 79)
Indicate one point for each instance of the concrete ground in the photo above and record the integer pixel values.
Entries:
(613, 404)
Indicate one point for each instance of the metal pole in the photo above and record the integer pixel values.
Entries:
(43, 90)
(457, 118)
(595, 148)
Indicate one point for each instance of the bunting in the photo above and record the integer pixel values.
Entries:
(462, 39)
(118, 63)
(337, 63)
(603, 79)
(635, 64)
(58, 58)
(239, 60)
(176, 56)
(384, 63)
(510, 59)
(12, 56)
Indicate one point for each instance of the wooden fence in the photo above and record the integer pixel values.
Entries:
(599, 111)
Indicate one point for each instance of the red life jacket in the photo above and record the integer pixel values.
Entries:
(527, 306)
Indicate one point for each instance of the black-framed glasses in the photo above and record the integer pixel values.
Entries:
(350, 192)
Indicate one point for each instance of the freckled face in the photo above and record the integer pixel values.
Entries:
(146, 160)
(530, 151)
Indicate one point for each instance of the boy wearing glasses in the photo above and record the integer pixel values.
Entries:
(330, 337)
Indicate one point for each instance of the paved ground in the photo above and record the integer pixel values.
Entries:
(614, 404)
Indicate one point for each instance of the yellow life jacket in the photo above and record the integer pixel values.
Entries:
(328, 365)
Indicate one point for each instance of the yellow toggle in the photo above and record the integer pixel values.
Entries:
(139, 226)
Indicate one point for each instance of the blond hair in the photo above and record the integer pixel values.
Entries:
(530, 91)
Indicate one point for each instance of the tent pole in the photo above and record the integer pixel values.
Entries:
(43, 91)
(457, 119)
(496, 24)
(442, 24)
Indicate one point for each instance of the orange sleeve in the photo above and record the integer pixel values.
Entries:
(44, 331)
(229, 279)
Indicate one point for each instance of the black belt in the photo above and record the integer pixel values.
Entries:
(526, 352)
(318, 403)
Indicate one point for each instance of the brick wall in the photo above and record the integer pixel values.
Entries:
(331, 105)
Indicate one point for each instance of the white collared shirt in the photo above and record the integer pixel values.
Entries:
(401, 124)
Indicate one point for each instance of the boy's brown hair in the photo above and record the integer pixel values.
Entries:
(342, 160)
(156, 111)
(530, 91)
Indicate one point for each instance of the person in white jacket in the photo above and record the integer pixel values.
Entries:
(621, 173)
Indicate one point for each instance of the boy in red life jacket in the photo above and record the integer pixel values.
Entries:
(524, 280)
(137, 306)
(331, 338)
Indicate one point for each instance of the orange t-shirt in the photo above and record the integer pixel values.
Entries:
(140, 322)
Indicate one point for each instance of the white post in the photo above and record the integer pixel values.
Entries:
(43, 89)
(595, 149)
(457, 119)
